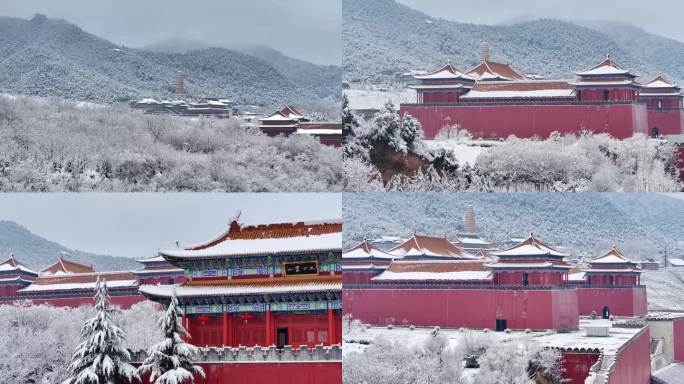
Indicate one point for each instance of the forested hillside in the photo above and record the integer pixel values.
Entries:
(644, 225)
(38, 252)
(48, 57)
(383, 37)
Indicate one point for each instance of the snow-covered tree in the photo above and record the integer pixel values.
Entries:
(349, 122)
(411, 132)
(169, 361)
(101, 357)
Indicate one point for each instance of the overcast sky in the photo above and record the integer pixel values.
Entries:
(662, 17)
(136, 225)
(306, 29)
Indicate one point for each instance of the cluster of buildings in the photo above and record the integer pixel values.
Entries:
(289, 120)
(267, 294)
(207, 107)
(595, 312)
(494, 100)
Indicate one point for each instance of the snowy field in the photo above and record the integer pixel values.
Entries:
(465, 150)
(375, 99)
(503, 356)
(664, 289)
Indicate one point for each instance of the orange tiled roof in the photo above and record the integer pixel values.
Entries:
(451, 266)
(500, 69)
(430, 245)
(271, 231)
(66, 266)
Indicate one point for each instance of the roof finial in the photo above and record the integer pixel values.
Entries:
(614, 247)
(531, 234)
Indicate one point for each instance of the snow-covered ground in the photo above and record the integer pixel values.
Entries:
(465, 150)
(374, 99)
(664, 289)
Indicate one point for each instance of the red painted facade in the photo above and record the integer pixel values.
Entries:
(261, 329)
(470, 308)
(633, 363)
(271, 373)
(665, 122)
(678, 335)
(576, 365)
(627, 301)
(528, 120)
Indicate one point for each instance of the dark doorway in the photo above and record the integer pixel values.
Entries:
(655, 132)
(526, 279)
(606, 313)
(606, 95)
(501, 325)
(282, 338)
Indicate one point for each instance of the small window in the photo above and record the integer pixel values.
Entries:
(655, 133)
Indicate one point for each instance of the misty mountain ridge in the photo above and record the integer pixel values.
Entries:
(38, 252)
(320, 78)
(642, 225)
(382, 37)
(49, 57)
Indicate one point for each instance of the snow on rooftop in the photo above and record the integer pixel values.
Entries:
(319, 131)
(232, 290)
(8, 267)
(676, 262)
(78, 286)
(433, 276)
(670, 374)
(360, 99)
(329, 241)
(539, 93)
(529, 250)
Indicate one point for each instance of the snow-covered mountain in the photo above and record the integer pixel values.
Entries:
(324, 80)
(643, 225)
(382, 37)
(38, 252)
(48, 57)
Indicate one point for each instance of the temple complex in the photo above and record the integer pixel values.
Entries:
(494, 100)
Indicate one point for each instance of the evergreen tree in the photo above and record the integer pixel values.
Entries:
(349, 122)
(169, 360)
(101, 357)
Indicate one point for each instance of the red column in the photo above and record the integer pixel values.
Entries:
(225, 329)
(231, 331)
(269, 325)
(331, 327)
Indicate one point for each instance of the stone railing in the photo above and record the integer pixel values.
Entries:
(244, 354)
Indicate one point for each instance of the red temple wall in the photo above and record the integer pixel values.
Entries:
(654, 102)
(471, 308)
(271, 373)
(668, 122)
(438, 97)
(577, 365)
(125, 302)
(309, 329)
(9, 290)
(533, 278)
(621, 301)
(615, 94)
(678, 337)
(332, 142)
(357, 277)
(617, 279)
(633, 363)
(525, 121)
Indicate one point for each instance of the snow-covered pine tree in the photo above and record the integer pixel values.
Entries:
(101, 357)
(349, 122)
(169, 360)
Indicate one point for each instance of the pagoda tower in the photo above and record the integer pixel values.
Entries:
(606, 82)
(530, 263)
(13, 277)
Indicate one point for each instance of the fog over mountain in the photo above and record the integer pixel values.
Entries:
(48, 57)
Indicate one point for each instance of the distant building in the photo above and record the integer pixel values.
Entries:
(677, 263)
(289, 120)
(13, 277)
